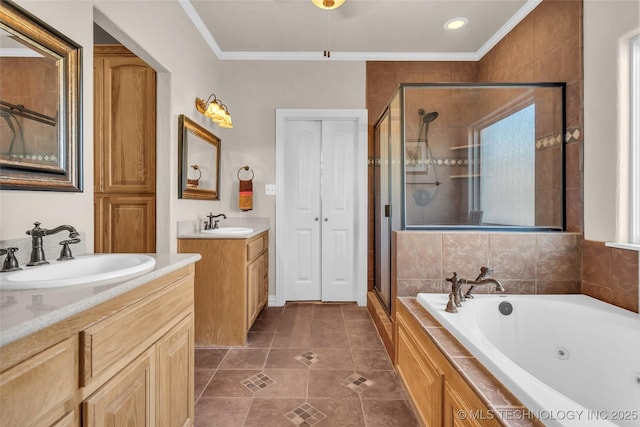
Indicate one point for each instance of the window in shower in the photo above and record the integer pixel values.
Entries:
(480, 156)
(635, 140)
(507, 168)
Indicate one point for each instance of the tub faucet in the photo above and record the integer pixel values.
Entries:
(37, 251)
(456, 297)
(212, 225)
(483, 278)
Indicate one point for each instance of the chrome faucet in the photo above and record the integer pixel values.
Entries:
(456, 297)
(211, 224)
(37, 251)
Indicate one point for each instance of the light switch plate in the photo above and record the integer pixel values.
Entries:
(270, 189)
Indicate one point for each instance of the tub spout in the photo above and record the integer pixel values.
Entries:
(473, 283)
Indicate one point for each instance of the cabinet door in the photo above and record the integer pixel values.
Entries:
(421, 378)
(69, 420)
(462, 408)
(129, 224)
(264, 288)
(41, 389)
(126, 136)
(254, 283)
(175, 376)
(128, 399)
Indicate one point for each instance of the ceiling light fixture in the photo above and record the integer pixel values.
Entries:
(215, 110)
(328, 4)
(456, 23)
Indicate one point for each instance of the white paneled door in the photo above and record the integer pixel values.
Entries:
(321, 211)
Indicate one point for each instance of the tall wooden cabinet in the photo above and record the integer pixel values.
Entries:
(124, 151)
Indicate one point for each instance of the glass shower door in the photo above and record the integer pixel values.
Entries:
(382, 236)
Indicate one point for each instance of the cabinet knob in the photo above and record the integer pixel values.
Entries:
(326, 219)
(316, 218)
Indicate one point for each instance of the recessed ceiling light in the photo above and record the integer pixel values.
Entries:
(456, 23)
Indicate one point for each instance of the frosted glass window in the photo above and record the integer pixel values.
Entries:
(635, 140)
(507, 170)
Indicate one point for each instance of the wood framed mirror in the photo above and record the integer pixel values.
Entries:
(40, 105)
(198, 161)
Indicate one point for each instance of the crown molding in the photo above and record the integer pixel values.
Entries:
(356, 56)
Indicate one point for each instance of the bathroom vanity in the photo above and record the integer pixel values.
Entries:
(231, 284)
(95, 355)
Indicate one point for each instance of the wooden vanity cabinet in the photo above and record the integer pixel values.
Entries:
(231, 287)
(436, 390)
(126, 362)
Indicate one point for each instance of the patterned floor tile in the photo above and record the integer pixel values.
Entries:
(307, 358)
(305, 415)
(357, 383)
(257, 382)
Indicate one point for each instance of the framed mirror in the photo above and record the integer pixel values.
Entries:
(198, 161)
(40, 105)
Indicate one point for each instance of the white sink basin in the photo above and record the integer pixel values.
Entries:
(229, 230)
(92, 269)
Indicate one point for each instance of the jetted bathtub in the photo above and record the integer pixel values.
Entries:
(571, 359)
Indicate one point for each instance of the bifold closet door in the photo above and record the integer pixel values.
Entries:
(319, 184)
(302, 189)
(338, 192)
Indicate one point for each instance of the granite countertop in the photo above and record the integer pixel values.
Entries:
(192, 229)
(200, 235)
(25, 312)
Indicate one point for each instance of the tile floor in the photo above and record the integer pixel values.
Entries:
(304, 365)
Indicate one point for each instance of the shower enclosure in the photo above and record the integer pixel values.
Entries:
(467, 156)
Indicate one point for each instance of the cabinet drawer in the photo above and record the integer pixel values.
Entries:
(40, 390)
(110, 343)
(256, 246)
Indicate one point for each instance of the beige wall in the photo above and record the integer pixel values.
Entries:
(161, 34)
(19, 209)
(256, 89)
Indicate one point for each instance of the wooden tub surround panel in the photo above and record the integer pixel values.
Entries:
(446, 385)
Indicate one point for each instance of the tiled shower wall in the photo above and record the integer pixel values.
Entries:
(525, 263)
(546, 46)
(610, 274)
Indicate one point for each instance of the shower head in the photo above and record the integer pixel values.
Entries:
(429, 117)
(426, 119)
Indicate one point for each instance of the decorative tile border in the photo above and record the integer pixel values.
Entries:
(47, 157)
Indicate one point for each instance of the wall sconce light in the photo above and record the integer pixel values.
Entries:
(215, 110)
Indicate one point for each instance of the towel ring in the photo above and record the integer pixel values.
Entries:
(245, 168)
(197, 168)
